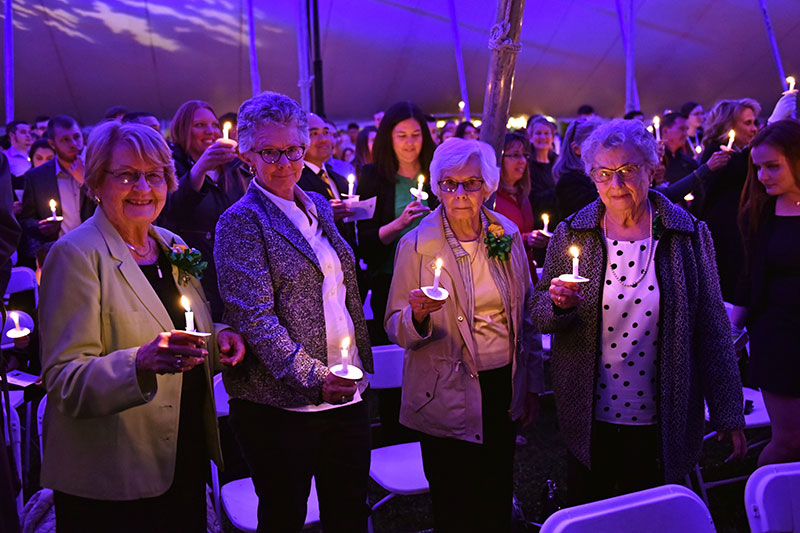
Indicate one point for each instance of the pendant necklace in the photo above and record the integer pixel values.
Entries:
(146, 254)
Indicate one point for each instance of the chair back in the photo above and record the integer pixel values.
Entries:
(220, 397)
(22, 279)
(772, 498)
(666, 508)
(25, 321)
(388, 363)
(40, 424)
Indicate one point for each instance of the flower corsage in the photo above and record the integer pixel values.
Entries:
(188, 260)
(498, 243)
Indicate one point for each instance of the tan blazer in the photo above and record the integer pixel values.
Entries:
(441, 391)
(108, 435)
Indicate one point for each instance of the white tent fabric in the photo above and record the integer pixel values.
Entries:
(82, 56)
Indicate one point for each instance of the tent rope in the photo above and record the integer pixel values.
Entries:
(498, 35)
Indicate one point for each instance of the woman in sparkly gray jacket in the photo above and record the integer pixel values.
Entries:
(645, 338)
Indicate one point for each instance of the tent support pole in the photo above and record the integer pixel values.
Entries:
(319, 95)
(305, 80)
(255, 79)
(773, 43)
(8, 58)
(462, 78)
(627, 30)
(504, 44)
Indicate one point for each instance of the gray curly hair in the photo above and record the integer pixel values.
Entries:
(620, 132)
(269, 108)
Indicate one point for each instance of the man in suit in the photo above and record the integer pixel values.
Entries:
(19, 135)
(62, 180)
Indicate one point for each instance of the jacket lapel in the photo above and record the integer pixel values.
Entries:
(131, 271)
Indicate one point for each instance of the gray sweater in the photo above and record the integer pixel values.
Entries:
(696, 359)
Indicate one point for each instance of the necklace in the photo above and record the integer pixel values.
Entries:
(649, 251)
(146, 254)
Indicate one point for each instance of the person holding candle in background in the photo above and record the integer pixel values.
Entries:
(288, 280)
(694, 114)
(513, 197)
(541, 133)
(637, 347)
(210, 179)
(769, 289)
(472, 366)
(130, 423)
(402, 151)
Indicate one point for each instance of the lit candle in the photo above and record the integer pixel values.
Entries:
(461, 104)
(226, 128)
(188, 314)
(345, 353)
(53, 208)
(15, 317)
(731, 137)
(575, 253)
(437, 273)
(657, 127)
(420, 182)
(689, 197)
(546, 220)
(351, 182)
(698, 149)
(791, 81)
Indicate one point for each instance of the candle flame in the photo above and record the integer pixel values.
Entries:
(185, 304)
(15, 317)
(545, 218)
(575, 251)
(227, 127)
(731, 134)
(461, 105)
(351, 178)
(439, 263)
(421, 180)
(656, 121)
(689, 197)
(52, 205)
(346, 343)
(698, 149)
(791, 81)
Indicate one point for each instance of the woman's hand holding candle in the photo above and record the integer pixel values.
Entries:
(565, 294)
(422, 306)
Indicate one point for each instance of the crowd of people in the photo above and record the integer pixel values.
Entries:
(232, 245)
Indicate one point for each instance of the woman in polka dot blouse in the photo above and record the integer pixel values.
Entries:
(638, 347)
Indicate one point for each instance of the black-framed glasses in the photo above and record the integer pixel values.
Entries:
(625, 172)
(129, 177)
(273, 155)
(470, 185)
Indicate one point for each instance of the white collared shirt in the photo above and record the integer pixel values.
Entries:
(70, 192)
(338, 323)
(18, 162)
(315, 169)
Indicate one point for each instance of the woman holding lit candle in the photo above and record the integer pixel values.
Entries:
(639, 345)
(288, 281)
(210, 179)
(513, 197)
(472, 365)
(130, 423)
(402, 151)
(767, 295)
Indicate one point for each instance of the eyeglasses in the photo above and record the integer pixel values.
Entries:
(273, 155)
(153, 178)
(470, 185)
(625, 172)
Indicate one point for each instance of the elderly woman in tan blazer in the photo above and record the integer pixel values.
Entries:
(130, 422)
(473, 364)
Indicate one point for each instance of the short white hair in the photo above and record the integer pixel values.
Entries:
(269, 108)
(454, 153)
(618, 133)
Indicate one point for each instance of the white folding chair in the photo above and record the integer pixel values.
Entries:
(13, 439)
(757, 418)
(22, 279)
(40, 424)
(238, 498)
(668, 508)
(25, 321)
(772, 498)
(397, 468)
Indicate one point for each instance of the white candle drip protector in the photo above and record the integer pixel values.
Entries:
(17, 332)
(345, 370)
(435, 292)
(575, 277)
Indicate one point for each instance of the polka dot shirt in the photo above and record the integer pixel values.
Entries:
(626, 381)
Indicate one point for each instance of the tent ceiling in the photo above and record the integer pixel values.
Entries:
(82, 56)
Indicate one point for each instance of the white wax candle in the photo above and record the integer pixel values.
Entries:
(53, 208)
(731, 137)
(437, 273)
(791, 81)
(420, 183)
(657, 127)
(575, 252)
(345, 353)
(226, 128)
(188, 314)
(546, 220)
(15, 317)
(351, 183)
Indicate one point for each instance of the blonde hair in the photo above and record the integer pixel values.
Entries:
(722, 117)
(146, 142)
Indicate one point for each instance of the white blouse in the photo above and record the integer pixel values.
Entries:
(626, 389)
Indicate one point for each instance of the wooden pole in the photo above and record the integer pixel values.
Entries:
(8, 58)
(504, 44)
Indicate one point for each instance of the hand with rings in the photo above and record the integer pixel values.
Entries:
(337, 390)
(171, 353)
(565, 294)
(422, 306)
